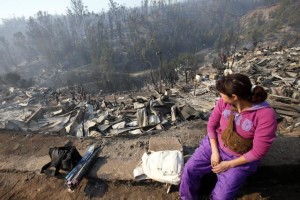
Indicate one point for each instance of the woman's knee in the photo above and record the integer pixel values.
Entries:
(228, 184)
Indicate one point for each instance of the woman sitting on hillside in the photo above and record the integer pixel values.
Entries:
(240, 130)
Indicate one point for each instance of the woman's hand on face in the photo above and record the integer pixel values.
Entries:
(215, 159)
(222, 167)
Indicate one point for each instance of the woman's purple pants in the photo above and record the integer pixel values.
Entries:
(199, 164)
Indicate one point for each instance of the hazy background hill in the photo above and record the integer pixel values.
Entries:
(276, 24)
(107, 48)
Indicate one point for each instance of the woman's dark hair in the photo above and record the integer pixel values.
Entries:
(241, 86)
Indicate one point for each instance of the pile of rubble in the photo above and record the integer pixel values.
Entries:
(71, 111)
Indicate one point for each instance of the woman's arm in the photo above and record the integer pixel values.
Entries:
(213, 124)
(214, 145)
(215, 156)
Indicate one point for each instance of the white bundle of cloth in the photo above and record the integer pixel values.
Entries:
(162, 166)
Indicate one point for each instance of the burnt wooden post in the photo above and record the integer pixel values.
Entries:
(160, 70)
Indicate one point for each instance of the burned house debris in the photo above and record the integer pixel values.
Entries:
(108, 115)
(71, 111)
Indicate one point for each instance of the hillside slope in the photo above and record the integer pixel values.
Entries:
(278, 24)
